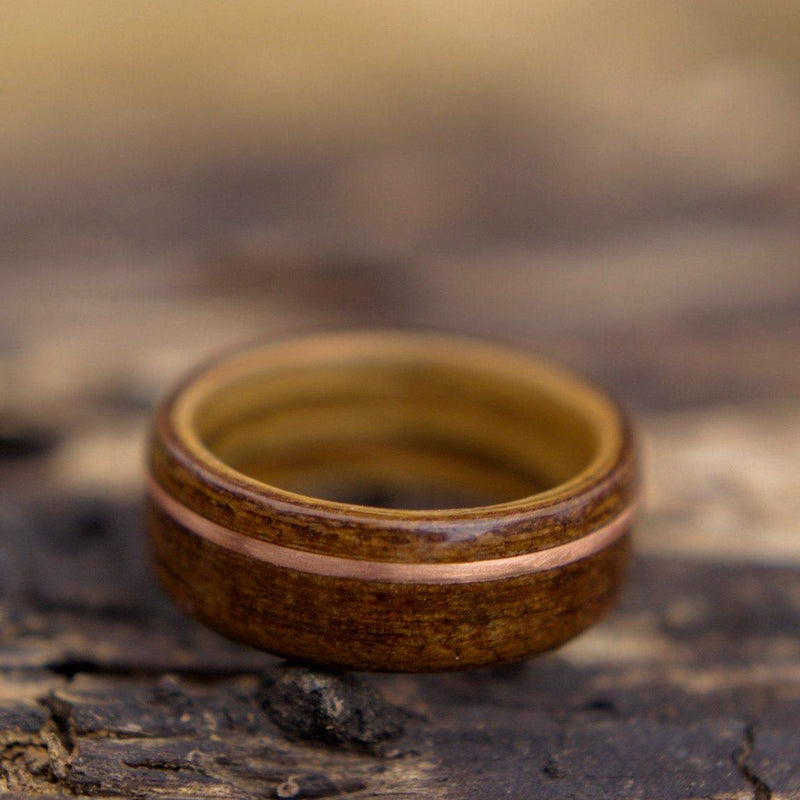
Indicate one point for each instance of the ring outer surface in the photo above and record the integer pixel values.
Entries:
(364, 616)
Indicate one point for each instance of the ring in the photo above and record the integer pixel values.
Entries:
(391, 500)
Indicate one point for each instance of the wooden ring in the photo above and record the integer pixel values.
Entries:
(391, 501)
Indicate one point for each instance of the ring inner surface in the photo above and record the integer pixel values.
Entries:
(413, 435)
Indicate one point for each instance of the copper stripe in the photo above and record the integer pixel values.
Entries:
(391, 571)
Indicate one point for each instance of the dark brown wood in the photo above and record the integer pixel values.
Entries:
(382, 389)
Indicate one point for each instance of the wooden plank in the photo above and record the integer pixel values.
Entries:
(655, 702)
(691, 688)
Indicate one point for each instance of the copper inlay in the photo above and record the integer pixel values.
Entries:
(390, 571)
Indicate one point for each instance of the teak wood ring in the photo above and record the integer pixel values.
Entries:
(516, 483)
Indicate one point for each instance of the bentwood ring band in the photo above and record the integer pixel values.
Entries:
(513, 488)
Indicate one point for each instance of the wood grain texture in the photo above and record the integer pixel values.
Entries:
(490, 405)
(383, 626)
(689, 689)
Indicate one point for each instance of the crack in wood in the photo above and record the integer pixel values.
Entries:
(741, 758)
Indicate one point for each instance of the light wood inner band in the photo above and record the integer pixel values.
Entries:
(397, 421)
(392, 572)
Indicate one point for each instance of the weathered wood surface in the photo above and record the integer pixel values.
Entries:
(691, 688)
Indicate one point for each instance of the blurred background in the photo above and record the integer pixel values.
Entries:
(614, 184)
